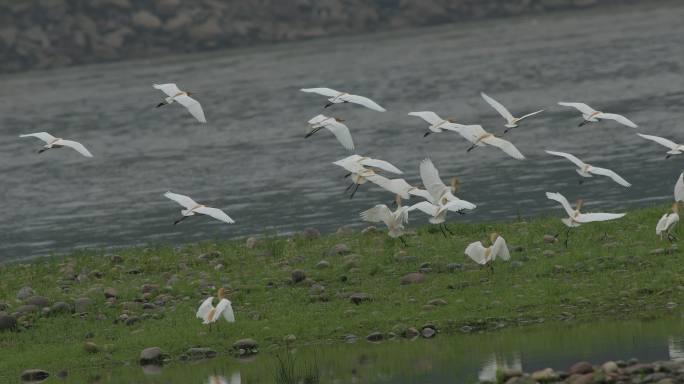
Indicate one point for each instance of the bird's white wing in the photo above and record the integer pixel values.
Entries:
(76, 146)
(215, 213)
(662, 224)
(585, 109)
(381, 164)
(379, 213)
(361, 100)
(568, 156)
(317, 119)
(428, 116)
(619, 118)
(476, 251)
(205, 308)
(185, 201)
(500, 249)
(590, 217)
(431, 180)
(455, 204)
(193, 106)
(562, 200)
(679, 188)
(607, 172)
(530, 114)
(660, 140)
(46, 137)
(499, 107)
(422, 193)
(397, 186)
(321, 91)
(425, 207)
(505, 146)
(225, 308)
(342, 134)
(170, 89)
(471, 132)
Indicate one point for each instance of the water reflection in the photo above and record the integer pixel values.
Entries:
(675, 348)
(497, 362)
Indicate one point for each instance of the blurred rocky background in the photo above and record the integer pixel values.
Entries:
(55, 33)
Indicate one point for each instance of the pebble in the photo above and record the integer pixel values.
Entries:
(251, 242)
(338, 250)
(110, 293)
(311, 233)
(298, 276)
(549, 253)
(609, 367)
(544, 375)
(437, 302)
(34, 375)
(91, 347)
(82, 304)
(375, 337)
(28, 308)
(38, 301)
(411, 332)
(245, 347)
(24, 293)
(322, 264)
(453, 267)
(428, 333)
(413, 278)
(7, 322)
(581, 368)
(550, 239)
(360, 297)
(152, 355)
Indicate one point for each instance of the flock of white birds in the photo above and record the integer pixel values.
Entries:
(437, 197)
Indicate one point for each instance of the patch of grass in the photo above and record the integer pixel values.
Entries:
(597, 277)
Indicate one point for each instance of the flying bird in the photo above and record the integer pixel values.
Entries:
(486, 255)
(675, 149)
(334, 125)
(439, 193)
(591, 115)
(667, 223)
(437, 124)
(679, 189)
(362, 167)
(586, 170)
(393, 220)
(182, 98)
(54, 142)
(210, 314)
(511, 121)
(479, 137)
(336, 97)
(192, 208)
(438, 213)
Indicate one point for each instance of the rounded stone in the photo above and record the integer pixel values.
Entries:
(428, 333)
(251, 242)
(24, 293)
(375, 337)
(38, 301)
(322, 264)
(82, 304)
(581, 368)
(152, 355)
(110, 293)
(34, 375)
(7, 322)
(311, 233)
(91, 347)
(298, 276)
(360, 297)
(339, 249)
(413, 278)
(200, 353)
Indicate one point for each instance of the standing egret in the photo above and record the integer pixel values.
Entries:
(575, 217)
(437, 124)
(668, 222)
(336, 97)
(591, 115)
(334, 125)
(393, 220)
(586, 170)
(675, 149)
(679, 189)
(479, 137)
(486, 255)
(210, 314)
(361, 167)
(511, 121)
(54, 142)
(192, 208)
(183, 98)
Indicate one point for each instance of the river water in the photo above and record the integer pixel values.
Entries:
(251, 158)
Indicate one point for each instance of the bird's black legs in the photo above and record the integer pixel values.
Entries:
(349, 187)
(427, 133)
(471, 148)
(667, 156)
(312, 132)
(583, 123)
(354, 191)
(347, 175)
(442, 229)
(401, 238)
(672, 238)
(43, 150)
(328, 105)
(179, 220)
(567, 236)
(581, 181)
(447, 229)
(161, 104)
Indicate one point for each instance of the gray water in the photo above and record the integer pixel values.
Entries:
(252, 160)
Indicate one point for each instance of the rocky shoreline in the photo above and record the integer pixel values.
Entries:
(38, 34)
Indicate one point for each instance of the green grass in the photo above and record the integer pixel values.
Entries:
(595, 278)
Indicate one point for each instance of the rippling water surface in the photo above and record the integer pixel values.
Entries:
(252, 160)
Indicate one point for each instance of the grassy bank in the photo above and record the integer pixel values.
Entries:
(597, 277)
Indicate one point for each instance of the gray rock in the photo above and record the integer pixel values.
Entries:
(199, 354)
(34, 375)
(3, 306)
(91, 347)
(609, 367)
(244, 347)
(428, 333)
(581, 368)
(38, 301)
(311, 233)
(544, 375)
(82, 304)
(360, 297)
(28, 308)
(152, 355)
(412, 278)
(410, 333)
(110, 293)
(339, 249)
(251, 242)
(453, 267)
(60, 307)
(437, 302)
(550, 239)
(549, 253)
(132, 320)
(116, 259)
(298, 276)
(375, 337)
(345, 230)
(146, 20)
(24, 293)
(323, 264)
(149, 288)
(7, 322)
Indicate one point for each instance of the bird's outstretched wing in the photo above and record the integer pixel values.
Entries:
(422, 193)
(471, 132)
(591, 217)
(568, 156)
(499, 107)
(455, 205)
(660, 140)
(679, 188)
(46, 137)
(379, 213)
(619, 118)
(205, 308)
(317, 119)
(396, 186)
(361, 100)
(431, 180)
(342, 134)
(225, 308)
(425, 207)
(193, 106)
(429, 116)
(216, 214)
(562, 200)
(170, 89)
(505, 146)
(477, 252)
(350, 163)
(585, 109)
(530, 115)
(76, 146)
(500, 249)
(607, 172)
(381, 164)
(321, 91)
(183, 200)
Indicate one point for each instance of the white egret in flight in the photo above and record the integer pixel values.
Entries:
(586, 170)
(479, 137)
(336, 97)
(362, 167)
(182, 98)
(674, 148)
(334, 125)
(192, 208)
(511, 121)
(210, 314)
(667, 223)
(591, 115)
(486, 255)
(393, 220)
(54, 142)
(437, 124)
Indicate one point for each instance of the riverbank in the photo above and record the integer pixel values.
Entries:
(39, 34)
(90, 309)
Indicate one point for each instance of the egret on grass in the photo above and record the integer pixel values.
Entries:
(334, 125)
(591, 115)
(393, 220)
(183, 98)
(210, 314)
(479, 137)
(54, 142)
(586, 170)
(511, 121)
(667, 223)
(437, 124)
(486, 255)
(675, 149)
(336, 97)
(192, 208)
